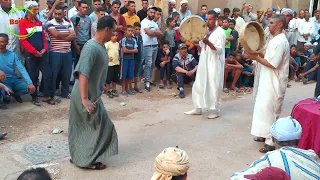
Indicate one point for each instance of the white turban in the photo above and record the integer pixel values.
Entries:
(307, 44)
(217, 10)
(184, 2)
(170, 162)
(286, 129)
(290, 11)
(172, 1)
(28, 4)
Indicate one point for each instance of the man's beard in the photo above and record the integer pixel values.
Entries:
(150, 17)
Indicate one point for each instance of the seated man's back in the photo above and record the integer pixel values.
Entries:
(298, 163)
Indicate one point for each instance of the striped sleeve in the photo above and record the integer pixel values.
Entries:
(253, 169)
(50, 26)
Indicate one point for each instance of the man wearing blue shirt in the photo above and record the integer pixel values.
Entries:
(8, 61)
(204, 11)
(184, 11)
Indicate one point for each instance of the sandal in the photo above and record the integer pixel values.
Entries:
(137, 90)
(267, 148)
(259, 139)
(56, 100)
(225, 90)
(96, 166)
(66, 96)
(124, 93)
(36, 101)
(49, 101)
(161, 86)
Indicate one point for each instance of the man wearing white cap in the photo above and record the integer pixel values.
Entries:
(305, 29)
(217, 10)
(184, 11)
(297, 163)
(171, 7)
(208, 85)
(273, 71)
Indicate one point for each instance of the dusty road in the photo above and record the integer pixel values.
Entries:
(148, 123)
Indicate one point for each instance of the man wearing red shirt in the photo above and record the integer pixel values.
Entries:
(36, 53)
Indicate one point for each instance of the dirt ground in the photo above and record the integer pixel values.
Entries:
(26, 120)
(148, 123)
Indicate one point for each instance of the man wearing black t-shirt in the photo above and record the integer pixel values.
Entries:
(125, 7)
(143, 12)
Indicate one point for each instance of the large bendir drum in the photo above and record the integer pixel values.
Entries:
(252, 37)
(193, 28)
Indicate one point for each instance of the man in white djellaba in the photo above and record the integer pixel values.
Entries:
(272, 83)
(208, 85)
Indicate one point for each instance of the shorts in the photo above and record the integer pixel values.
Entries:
(127, 69)
(113, 74)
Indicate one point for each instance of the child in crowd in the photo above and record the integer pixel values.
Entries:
(113, 48)
(227, 30)
(129, 48)
(232, 72)
(247, 76)
(165, 65)
(175, 16)
(234, 34)
(137, 57)
(220, 21)
(169, 35)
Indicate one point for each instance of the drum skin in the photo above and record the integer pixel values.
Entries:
(193, 28)
(252, 37)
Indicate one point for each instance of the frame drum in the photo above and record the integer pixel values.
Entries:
(193, 28)
(252, 37)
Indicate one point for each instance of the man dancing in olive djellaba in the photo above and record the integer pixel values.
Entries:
(92, 135)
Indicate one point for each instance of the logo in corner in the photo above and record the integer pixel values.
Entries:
(17, 9)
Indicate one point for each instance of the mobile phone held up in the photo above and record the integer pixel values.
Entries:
(77, 21)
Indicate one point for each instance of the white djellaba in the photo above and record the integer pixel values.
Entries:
(208, 85)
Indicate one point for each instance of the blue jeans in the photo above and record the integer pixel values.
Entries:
(166, 69)
(149, 56)
(313, 75)
(17, 87)
(181, 79)
(61, 62)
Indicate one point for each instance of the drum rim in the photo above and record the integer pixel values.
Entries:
(243, 40)
(191, 16)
